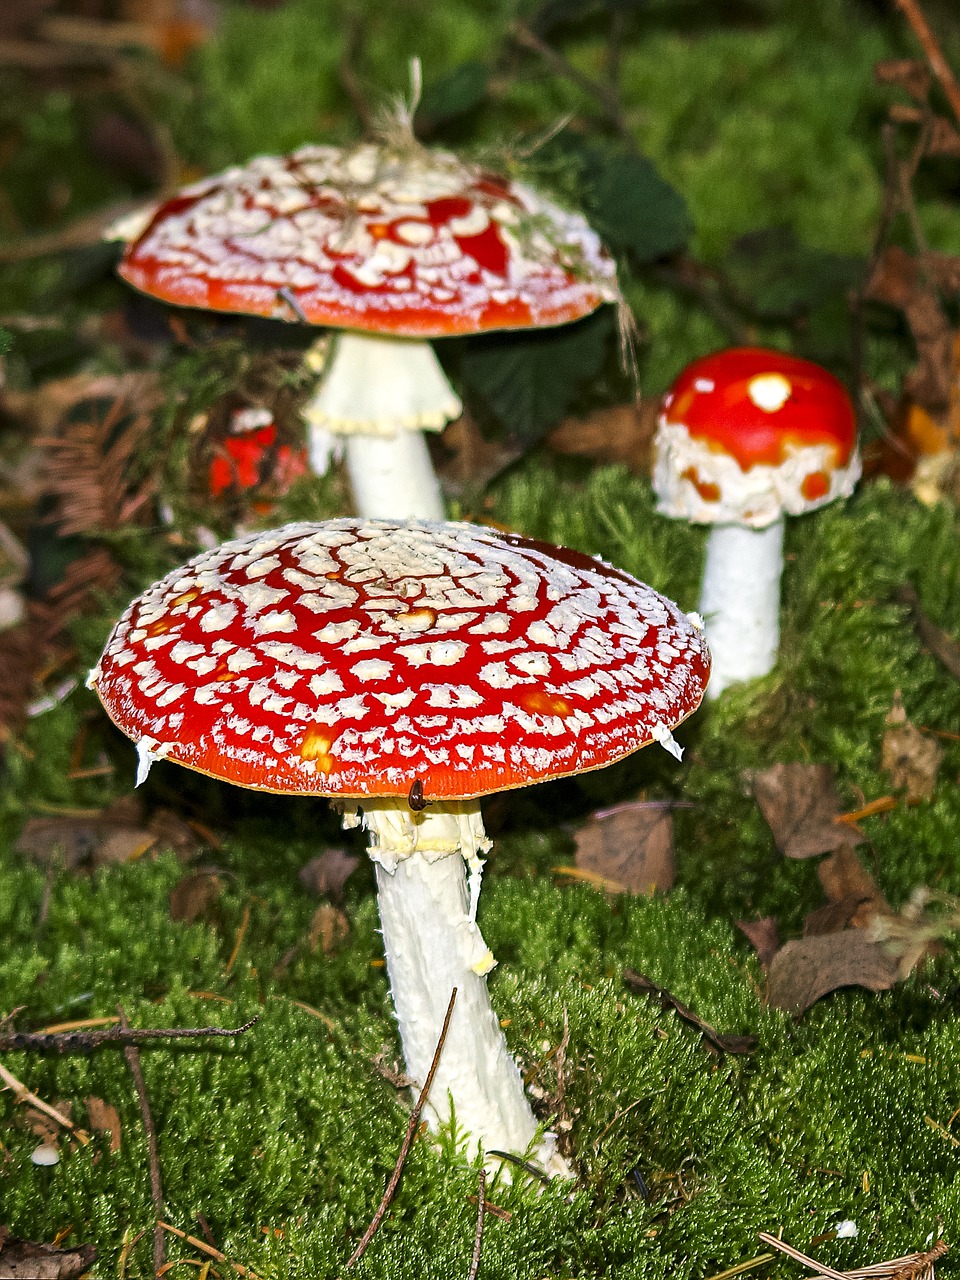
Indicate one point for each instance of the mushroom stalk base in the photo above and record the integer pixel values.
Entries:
(432, 945)
(381, 394)
(740, 602)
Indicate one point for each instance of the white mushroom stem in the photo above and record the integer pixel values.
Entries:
(740, 601)
(432, 945)
(381, 394)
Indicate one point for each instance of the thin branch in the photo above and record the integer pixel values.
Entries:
(934, 54)
(408, 1138)
(84, 1041)
(347, 73)
(132, 1055)
(22, 1094)
(943, 647)
(478, 1235)
(602, 94)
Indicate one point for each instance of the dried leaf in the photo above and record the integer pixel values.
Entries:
(808, 968)
(843, 876)
(328, 928)
(631, 845)
(763, 936)
(82, 843)
(899, 281)
(800, 803)
(192, 897)
(832, 918)
(26, 1260)
(469, 460)
(910, 760)
(642, 985)
(620, 433)
(327, 874)
(104, 1119)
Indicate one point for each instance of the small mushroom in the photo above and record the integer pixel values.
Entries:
(746, 436)
(407, 669)
(391, 244)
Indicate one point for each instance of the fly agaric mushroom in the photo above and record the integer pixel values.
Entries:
(745, 436)
(407, 668)
(392, 244)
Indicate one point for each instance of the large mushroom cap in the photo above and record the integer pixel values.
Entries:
(746, 434)
(353, 658)
(408, 242)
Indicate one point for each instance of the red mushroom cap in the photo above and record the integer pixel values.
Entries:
(413, 244)
(353, 658)
(746, 434)
(756, 404)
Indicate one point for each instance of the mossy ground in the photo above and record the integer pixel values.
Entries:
(283, 1140)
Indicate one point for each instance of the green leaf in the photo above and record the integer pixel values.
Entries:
(778, 278)
(633, 208)
(454, 94)
(530, 379)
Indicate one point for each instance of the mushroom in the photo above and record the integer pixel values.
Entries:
(744, 437)
(407, 669)
(392, 244)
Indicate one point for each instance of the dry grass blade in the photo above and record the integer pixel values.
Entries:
(209, 1250)
(912, 1266)
(407, 1139)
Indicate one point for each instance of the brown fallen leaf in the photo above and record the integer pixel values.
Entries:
(800, 802)
(806, 969)
(468, 460)
(192, 897)
(834, 917)
(104, 1119)
(845, 878)
(328, 928)
(25, 1260)
(630, 846)
(763, 936)
(83, 843)
(328, 873)
(643, 986)
(620, 433)
(909, 759)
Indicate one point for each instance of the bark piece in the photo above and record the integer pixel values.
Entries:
(26, 1260)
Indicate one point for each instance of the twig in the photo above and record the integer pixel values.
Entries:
(934, 54)
(22, 1094)
(132, 1055)
(209, 1250)
(943, 647)
(408, 1138)
(596, 89)
(82, 234)
(84, 1041)
(347, 74)
(478, 1235)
